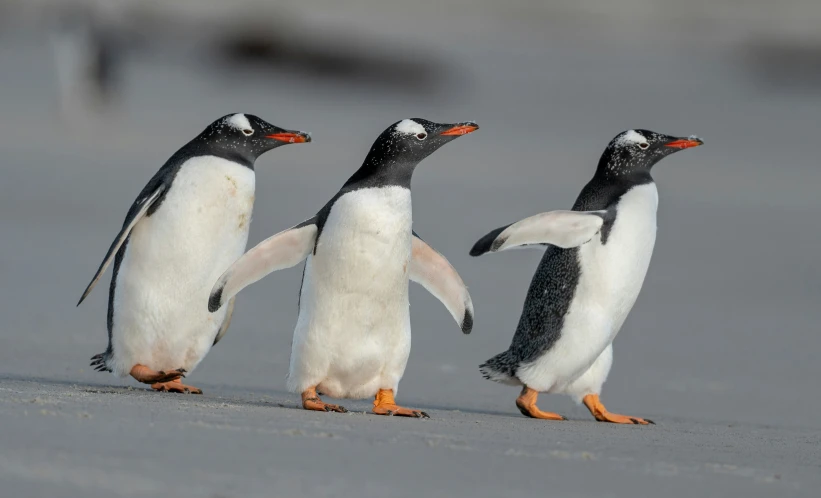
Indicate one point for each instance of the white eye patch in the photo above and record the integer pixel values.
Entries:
(239, 121)
(410, 127)
(631, 137)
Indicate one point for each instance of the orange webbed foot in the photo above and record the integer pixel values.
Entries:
(311, 401)
(384, 404)
(142, 373)
(597, 409)
(175, 386)
(526, 402)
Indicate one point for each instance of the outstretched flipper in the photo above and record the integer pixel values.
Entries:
(278, 252)
(139, 209)
(431, 270)
(225, 323)
(564, 229)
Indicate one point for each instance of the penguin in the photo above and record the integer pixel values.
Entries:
(187, 225)
(353, 335)
(596, 257)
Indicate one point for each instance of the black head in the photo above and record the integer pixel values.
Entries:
(637, 151)
(399, 148)
(245, 137)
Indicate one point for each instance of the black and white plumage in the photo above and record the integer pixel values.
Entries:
(352, 337)
(591, 273)
(187, 225)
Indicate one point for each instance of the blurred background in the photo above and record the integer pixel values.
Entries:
(95, 96)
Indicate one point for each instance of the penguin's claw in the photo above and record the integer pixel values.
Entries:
(311, 401)
(384, 404)
(398, 411)
(597, 409)
(180, 372)
(142, 373)
(526, 403)
(175, 386)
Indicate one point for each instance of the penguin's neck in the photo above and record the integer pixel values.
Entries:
(616, 169)
(238, 158)
(379, 171)
(200, 146)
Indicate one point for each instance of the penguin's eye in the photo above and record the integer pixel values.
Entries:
(644, 145)
(421, 136)
(248, 132)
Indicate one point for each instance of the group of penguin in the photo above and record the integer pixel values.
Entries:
(179, 263)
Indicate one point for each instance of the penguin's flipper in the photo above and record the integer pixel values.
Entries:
(431, 270)
(280, 251)
(564, 229)
(135, 214)
(225, 323)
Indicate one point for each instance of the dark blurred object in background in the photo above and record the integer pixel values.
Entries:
(89, 55)
(785, 64)
(93, 40)
(366, 62)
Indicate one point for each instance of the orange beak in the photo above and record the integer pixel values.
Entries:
(461, 129)
(684, 143)
(291, 137)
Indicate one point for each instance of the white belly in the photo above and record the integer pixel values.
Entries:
(353, 333)
(611, 278)
(173, 258)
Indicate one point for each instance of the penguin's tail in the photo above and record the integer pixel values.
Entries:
(501, 368)
(100, 361)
